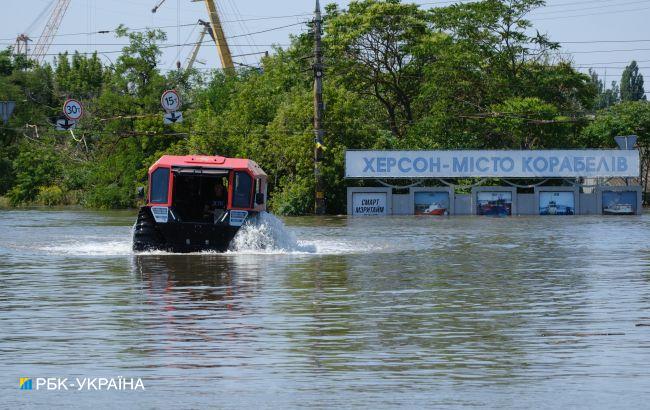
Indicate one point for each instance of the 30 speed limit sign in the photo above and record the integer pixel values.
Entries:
(72, 109)
(170, 101)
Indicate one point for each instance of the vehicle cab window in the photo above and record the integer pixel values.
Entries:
(159, 186)
(259, 191)
(241, 197)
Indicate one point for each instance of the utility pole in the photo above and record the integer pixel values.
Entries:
(319, 208)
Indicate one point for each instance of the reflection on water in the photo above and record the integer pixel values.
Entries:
(216, 280)
(363, 312)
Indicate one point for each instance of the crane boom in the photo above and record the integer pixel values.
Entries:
(195, 50)
(50, 29)
(220, 39)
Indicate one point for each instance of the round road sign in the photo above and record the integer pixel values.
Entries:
(170, 101)
(72, 109)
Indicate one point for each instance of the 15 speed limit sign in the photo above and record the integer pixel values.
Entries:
(72, 109)
(170, 101)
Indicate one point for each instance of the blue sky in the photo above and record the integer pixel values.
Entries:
(572, 22)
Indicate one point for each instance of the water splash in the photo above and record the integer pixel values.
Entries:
(90, 248)
(267, 234)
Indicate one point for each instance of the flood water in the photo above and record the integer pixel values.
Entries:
(548, 312)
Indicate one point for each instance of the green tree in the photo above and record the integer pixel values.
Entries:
(373, 49)
(606, 96)
(37, 166)
(494, 58)
(626, 118)
(528, 123)
(82, 77)
(632, 84)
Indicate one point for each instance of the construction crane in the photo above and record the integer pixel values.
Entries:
(22, 44)
(191, 59)
(216, 31)
(50, 29)
(219, 38)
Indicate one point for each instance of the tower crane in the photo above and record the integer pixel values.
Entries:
(50, 29)
(216, 32)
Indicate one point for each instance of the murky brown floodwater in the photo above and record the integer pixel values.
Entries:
(514, 312)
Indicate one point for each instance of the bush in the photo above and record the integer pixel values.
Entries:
(50, 196)
(6, 175)
(36, 166)
(111, 196)
(295, 198)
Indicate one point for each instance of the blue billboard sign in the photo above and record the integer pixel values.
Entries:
(495, 164)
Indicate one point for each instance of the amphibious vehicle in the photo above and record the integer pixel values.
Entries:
(196, 203)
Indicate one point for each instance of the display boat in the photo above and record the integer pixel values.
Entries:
(554, 208)
(619, 209)
(435, 208)
(198, 203)
(495, 208)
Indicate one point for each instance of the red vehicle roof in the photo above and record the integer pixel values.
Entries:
(205, 161)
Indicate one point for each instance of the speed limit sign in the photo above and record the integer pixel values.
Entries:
(72, 109)
(170, 101)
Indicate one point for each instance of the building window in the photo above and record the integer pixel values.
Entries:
(242, 193)
(159, 185)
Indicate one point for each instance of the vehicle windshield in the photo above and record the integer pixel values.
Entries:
(200, 197)
(159, 186)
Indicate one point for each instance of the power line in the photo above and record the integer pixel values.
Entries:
(604, 41)
(164, 27)
(186, 44)
(161, 44)
(592, 8)
(592, 14)
(605, 51)
(612, 62)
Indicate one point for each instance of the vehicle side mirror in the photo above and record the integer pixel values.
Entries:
(141, 192)
(259, 198)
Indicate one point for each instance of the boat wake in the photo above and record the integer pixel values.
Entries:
(264, 234)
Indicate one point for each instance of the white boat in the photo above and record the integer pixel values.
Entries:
(619, 209)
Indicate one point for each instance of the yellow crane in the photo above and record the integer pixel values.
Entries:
(219, 38)
(223, 50)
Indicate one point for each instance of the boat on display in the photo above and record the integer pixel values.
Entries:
(495, 208)
(554, 208)
(618, 209)
(435, 208)
(198, 203)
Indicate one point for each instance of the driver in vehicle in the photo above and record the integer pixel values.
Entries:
(216, 206)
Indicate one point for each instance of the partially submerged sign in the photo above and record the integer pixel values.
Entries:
(495, 164)
(369, 203)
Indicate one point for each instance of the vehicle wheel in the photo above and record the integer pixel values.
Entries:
(146, 236)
